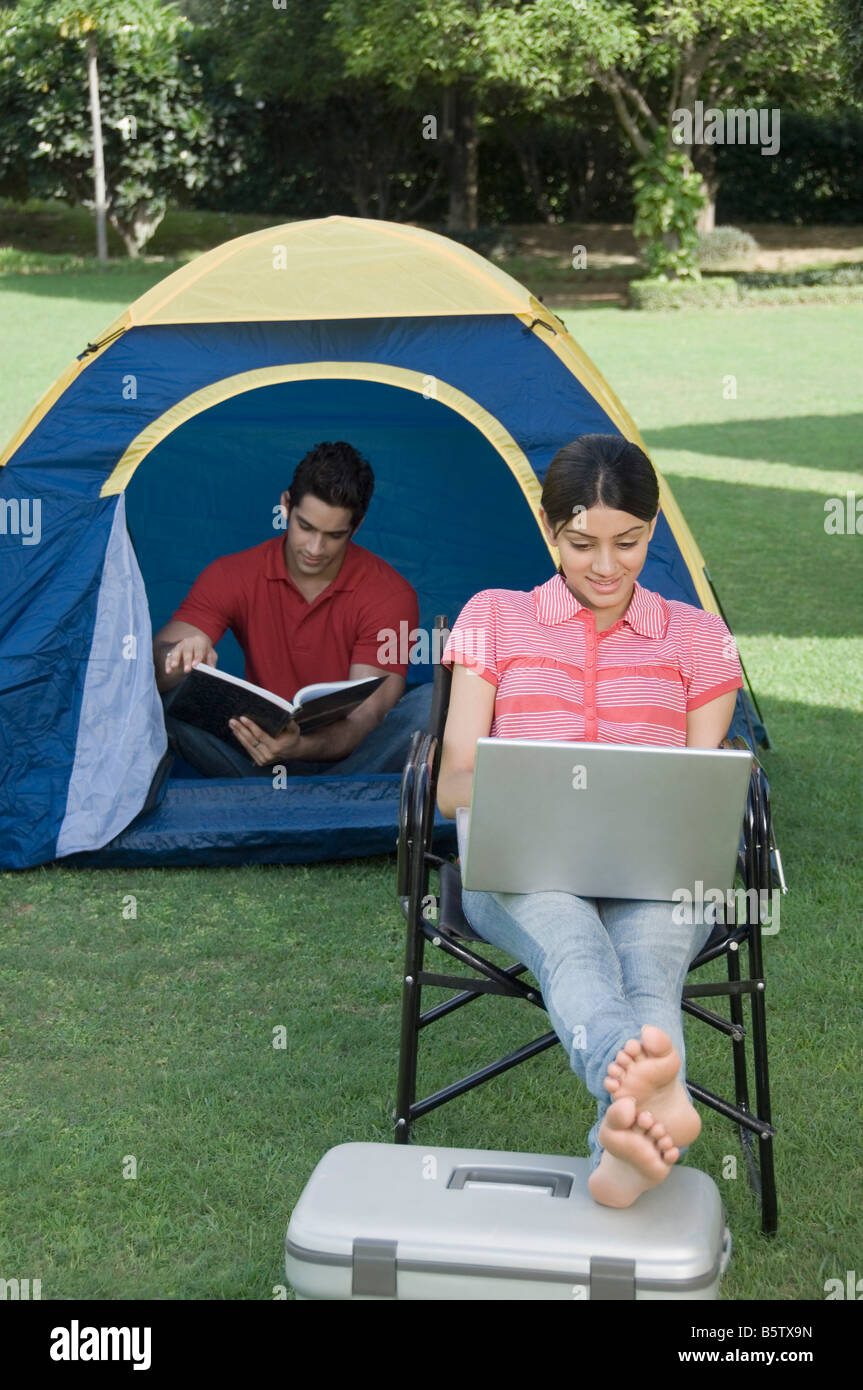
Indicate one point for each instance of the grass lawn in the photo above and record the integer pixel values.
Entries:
(151, 1037)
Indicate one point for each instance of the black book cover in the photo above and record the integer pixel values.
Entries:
(210, 703)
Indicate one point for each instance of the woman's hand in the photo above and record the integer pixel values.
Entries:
(264, 748)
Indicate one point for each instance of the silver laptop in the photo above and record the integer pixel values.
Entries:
(602, 820)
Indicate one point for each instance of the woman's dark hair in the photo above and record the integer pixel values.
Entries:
(600, 470)
(338, 475)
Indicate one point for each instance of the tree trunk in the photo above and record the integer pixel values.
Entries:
(671, 242)
(98, 152)
(461, 127)
(359, 195)
(532, 175)
(137, 227)
(707, 216)
(709, 187)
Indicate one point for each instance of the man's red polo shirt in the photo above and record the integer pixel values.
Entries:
(287, 641)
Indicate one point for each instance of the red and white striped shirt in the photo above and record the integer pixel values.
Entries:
(556, 677)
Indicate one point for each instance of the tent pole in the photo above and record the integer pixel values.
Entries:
(767, 743)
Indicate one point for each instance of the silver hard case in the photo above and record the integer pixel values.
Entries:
(403, 1221)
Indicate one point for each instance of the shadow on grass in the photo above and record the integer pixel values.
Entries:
(812, 441)
(775, 568)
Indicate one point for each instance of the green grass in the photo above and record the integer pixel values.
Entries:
(152, 1037)
(52, 227)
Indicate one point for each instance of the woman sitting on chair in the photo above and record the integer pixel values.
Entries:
(591, 655)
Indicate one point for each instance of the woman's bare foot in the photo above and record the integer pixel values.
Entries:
(638, 1155)
(648, 1071)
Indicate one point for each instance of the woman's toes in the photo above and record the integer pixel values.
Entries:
(615, 1069)
(620, 1115)
(656, 1042)
(665, 1144)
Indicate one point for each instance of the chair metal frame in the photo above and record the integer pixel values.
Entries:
(437, 918)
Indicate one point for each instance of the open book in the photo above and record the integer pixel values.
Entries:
(208, 698)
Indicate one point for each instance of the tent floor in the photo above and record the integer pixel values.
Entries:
(239, 820)
(248, 821)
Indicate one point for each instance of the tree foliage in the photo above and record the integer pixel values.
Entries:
(668, 198)
(648, 57)
(160, 132)
(847, 17)
(309, 106)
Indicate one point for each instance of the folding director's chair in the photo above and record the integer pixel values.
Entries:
(451, 932)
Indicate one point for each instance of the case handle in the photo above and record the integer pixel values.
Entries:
(551, 1184)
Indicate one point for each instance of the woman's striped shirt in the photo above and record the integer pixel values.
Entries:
(556, 677)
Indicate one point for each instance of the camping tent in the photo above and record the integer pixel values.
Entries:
(167, 443)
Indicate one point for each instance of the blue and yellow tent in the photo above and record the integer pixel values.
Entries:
(167, 443)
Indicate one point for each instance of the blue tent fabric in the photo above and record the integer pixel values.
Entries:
(50, 595)
(81, 725)
(422, 453)
(207, 822)
(93, 422)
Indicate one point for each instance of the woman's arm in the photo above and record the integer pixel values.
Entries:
(707, 726)
(470, 716)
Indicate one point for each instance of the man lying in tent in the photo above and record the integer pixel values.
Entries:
(307, 606)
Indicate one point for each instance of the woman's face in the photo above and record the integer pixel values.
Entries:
(602, 553)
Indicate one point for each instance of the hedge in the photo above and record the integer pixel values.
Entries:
(719, 292)
(802, 294)
(724, 292)
(844, 273)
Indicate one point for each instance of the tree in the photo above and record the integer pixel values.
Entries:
(310, 130)
(439, 55)
(653, 58)
(158, 130)
(847, 17)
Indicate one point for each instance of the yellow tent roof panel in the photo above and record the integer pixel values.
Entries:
(332, 268)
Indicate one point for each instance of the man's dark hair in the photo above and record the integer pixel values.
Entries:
(336, 474)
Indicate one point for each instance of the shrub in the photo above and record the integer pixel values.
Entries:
(802, 294)
(725, 244)
(726, 291)
(817, 178)
(668, 199)
(718, 292)
(847, 273)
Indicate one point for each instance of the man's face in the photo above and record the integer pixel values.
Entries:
(316, 537)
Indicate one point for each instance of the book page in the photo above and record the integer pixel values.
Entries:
(314, 692)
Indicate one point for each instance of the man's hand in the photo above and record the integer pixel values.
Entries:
(190, 651)
(264, 748)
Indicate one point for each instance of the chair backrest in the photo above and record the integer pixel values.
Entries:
(416, 807)
(440, 689)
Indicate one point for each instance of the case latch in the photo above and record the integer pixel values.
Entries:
(611, 1278)
(374, 1267)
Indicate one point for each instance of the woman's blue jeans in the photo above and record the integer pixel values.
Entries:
(605, 967)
